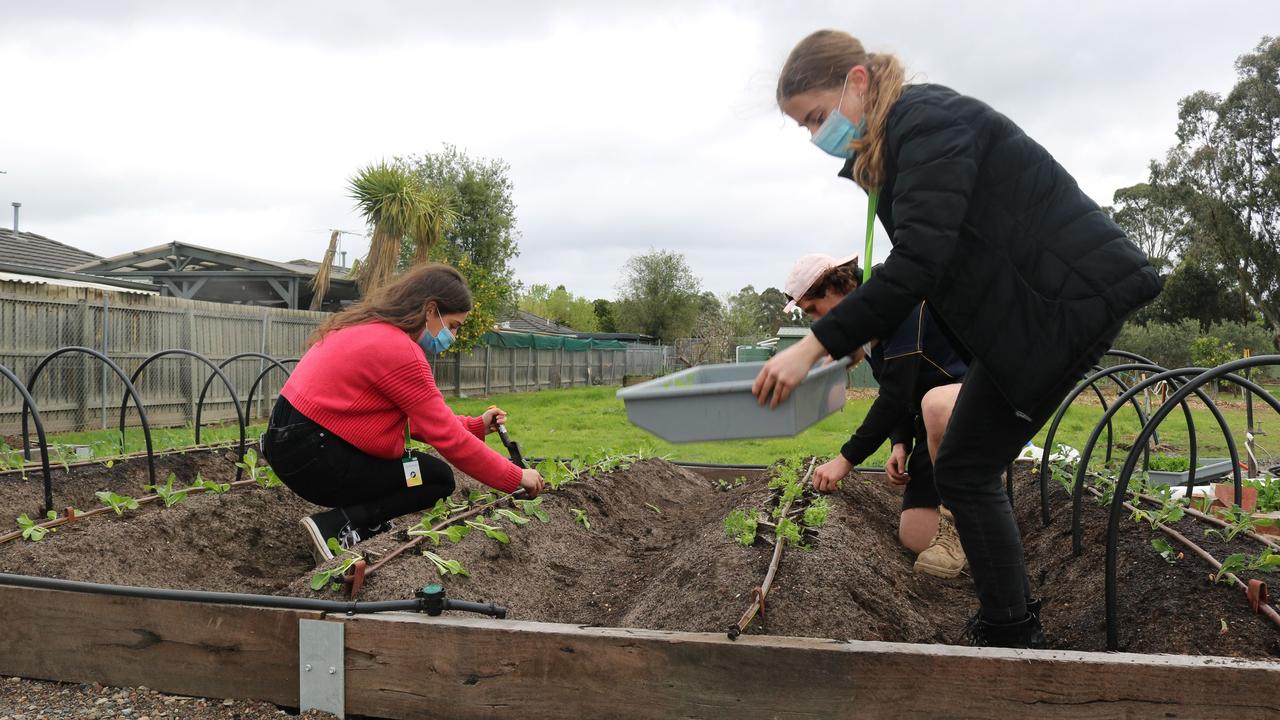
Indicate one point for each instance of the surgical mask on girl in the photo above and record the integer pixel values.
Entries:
(439, 342)
(837, 131)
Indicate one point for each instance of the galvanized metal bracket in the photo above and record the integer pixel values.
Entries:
(321, 675)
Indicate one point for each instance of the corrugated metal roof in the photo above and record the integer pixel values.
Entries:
(25, 248)
(67, 282)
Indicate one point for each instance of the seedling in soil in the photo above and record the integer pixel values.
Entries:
(31, 531)
(789, 531)
(438, 512)
(118, 503)
(510, 516)
(454, 533)
(167, 494)
(815, 516)
(533, 508)
(554, 473)
(1267, 561)
(446, 567)
(480, 497)
(727, 485)
(264, 476)
(580, 517)
(741, 527)
(1238, 521)
(493, 531)
(654, 508)
(1168, 463)
(327, 577)
(1166, 550)
(216, 488)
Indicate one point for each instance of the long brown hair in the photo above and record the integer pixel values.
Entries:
(822, 61)
(402, 302)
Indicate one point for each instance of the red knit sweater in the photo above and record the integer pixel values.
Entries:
(361, 382)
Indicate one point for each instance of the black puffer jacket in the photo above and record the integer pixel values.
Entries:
(1024, 272)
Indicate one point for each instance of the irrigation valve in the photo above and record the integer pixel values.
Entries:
(432, 601)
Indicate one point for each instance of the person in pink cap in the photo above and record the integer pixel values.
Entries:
(919, 375)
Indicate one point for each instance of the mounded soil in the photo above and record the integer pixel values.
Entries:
(674, 568)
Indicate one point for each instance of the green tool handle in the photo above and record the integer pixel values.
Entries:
(873, 199)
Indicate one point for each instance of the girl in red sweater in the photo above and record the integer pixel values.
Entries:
(338, 432)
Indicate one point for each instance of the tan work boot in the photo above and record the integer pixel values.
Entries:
(944, 557)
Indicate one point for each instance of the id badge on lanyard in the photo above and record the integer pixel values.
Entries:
(412, 472)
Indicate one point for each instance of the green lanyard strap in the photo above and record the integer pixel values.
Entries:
(873, 198)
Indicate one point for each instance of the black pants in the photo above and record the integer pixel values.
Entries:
(921, 492)
(983, 436)
(326, 470)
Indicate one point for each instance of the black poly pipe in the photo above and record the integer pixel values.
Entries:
(1122, 484)
(128, 387)
(1063, 407)
(44, 443)
(124, 402)
(204, 391)
(1077, 491)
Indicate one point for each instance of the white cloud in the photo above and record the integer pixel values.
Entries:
(237, 124)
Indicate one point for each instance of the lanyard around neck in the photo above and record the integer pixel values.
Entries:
(873, 199)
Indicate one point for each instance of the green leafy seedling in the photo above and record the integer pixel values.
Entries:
(453, 533)
(1238, 522)
(118, 503)
(30, 530)
(533, 508)
(580, 517)
(493, 531)
(1166, 550)
(439, 511)
(1231, 564)
(211, 486)
(741, 527)
(788, 531)
(554, 473)
(511, 516)
(332, 577)
(654, 508)
(445, 567)
(167, 494)
(480, 497)
(815, 516)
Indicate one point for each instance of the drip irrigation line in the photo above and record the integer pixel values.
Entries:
(760, 593)
(215, 598)
(1224, 371)
(1264, 608)
(78, 515)
(131, 456)
(400, 550)
(1219, 522)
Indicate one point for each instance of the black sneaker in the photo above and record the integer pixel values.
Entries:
(378, 529)
(1024, 633)
(325, 525)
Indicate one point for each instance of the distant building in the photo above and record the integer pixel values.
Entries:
(526, 322)
(32, 259)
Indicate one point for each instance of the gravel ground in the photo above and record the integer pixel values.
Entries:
(22, 699)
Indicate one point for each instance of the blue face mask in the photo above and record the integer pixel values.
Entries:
(837, 131)
(439, 342)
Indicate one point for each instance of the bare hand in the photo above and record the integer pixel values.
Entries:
(786, 370)
(493, 417)
(829, 474)
(531, 481)
(896, 467)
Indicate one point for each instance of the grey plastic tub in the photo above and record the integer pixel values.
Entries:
(1209, 469)
(714, 402)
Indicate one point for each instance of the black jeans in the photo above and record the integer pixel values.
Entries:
(326, 470)
(983, 436)
(921, 492)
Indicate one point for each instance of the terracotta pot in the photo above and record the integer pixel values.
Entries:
(1268, 523)
(1225, 494)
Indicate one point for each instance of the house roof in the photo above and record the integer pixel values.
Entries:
(186, 257)
(38, 251)
(524, 321)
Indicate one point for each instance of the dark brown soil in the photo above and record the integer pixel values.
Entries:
(671, 569)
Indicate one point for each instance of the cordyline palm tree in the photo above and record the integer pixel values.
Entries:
(401, 208)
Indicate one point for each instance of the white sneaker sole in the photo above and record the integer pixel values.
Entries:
(319, 546)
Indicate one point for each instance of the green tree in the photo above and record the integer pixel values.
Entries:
(772, 302)
(1152, 217)
(1225, 170)
(560, 306)
(658, 296)
(604, 315)
(408, 217)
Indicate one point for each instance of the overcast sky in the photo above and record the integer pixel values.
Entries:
(236, 124)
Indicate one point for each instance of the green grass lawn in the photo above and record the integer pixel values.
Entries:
(563, 423)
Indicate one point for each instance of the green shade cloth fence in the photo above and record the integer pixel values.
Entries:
(547, 342)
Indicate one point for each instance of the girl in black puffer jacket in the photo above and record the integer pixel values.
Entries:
(1029, 279)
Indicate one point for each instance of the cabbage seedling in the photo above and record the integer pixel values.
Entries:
(580, 517)
(216, 488)
(118, 503)
(326, 577)
(264, 476)
(454, 533)
(446, 567)
(511, 516)
(533, 508)
(167, 494)
(31, 531)
(493, 531)
(1166, 550)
